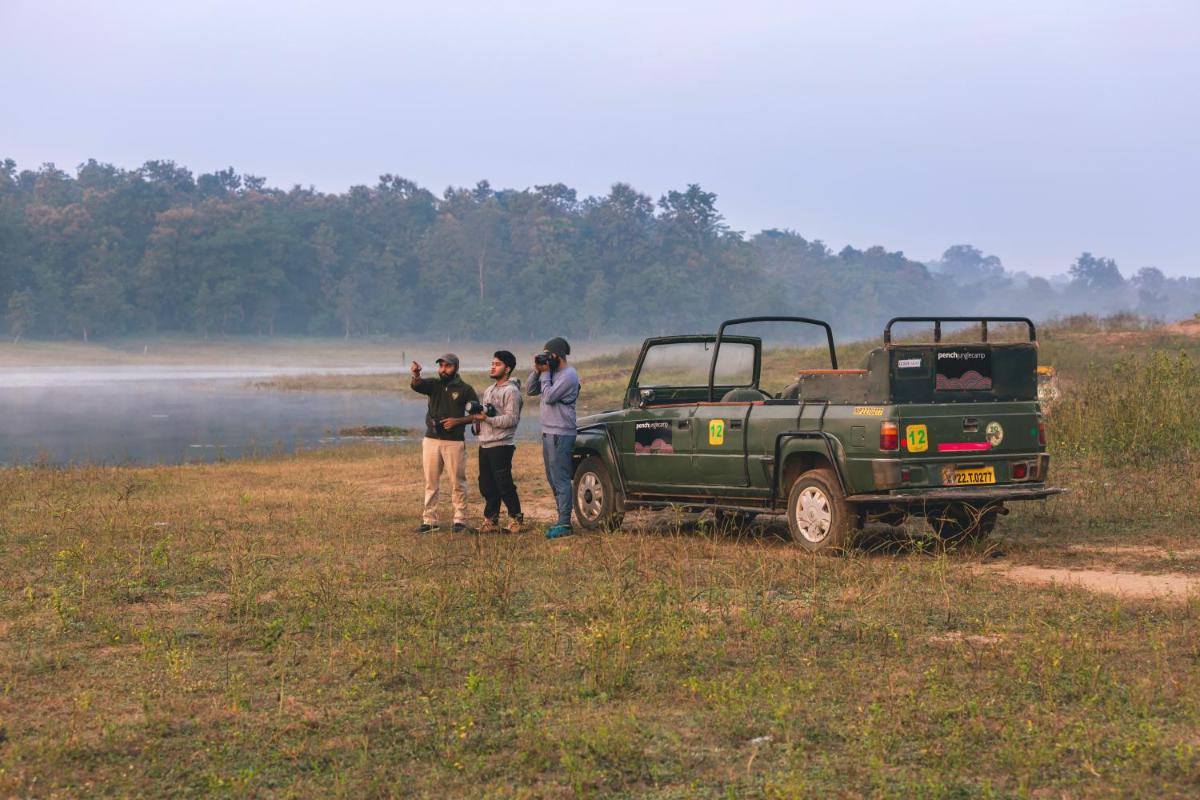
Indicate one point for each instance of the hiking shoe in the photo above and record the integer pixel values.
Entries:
(559, 531)
(462, 527)
(426, 527)
(515, 524)
(489, 526)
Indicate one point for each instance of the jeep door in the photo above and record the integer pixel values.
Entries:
(720, 427)
(658, 435)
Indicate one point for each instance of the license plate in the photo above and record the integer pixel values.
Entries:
(969, 477)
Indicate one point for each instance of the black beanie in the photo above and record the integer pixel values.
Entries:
(506, 358)
(559, 346)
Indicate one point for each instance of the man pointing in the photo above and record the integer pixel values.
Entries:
(444, 445)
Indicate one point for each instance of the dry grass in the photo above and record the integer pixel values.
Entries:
(273, 628)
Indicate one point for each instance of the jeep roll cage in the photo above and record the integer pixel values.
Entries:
(712, 369)
(937, 326)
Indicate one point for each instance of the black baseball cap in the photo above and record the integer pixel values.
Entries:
(449, 358)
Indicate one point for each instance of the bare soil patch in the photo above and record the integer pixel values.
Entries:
(970, 639)
(1188, 327)
(1135, 550)
(1133, 585)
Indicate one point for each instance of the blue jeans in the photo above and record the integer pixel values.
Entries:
(556, 453)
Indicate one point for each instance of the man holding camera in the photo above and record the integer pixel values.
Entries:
(497, 422)
(558, 385)
(444, 443)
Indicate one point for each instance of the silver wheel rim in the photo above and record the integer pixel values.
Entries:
(590, 495)
(813, 515)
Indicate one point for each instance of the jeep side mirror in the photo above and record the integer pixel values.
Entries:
(645, 397)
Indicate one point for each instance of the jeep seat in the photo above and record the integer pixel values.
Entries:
(743, 395)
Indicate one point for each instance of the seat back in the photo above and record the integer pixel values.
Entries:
(743, 395)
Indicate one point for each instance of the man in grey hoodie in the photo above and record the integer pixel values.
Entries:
(557, 383)
(497, 444)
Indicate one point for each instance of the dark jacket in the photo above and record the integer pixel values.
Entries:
(446, 399)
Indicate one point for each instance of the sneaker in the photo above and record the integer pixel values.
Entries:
(426, 527)
(515, 525)
(489, 526)
(462, 527)
(559, 531)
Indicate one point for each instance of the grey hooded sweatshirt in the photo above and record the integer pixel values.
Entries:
(501, 429)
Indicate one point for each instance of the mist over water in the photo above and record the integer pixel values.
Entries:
(173, 415)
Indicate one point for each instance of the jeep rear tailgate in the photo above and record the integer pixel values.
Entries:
(983, 441)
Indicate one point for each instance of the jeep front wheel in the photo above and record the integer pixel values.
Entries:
(596, 502)
(819, 518)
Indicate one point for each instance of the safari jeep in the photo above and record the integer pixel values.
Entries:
(950, 431)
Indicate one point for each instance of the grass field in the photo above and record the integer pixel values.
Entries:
(274, 628)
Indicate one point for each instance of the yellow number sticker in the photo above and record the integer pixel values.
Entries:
(917, 437)
(716, 431)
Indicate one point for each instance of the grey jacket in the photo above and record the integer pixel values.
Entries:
(559, 391)
(501, 429)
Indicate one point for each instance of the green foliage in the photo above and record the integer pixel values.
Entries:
(1136, 410)
(156, 249)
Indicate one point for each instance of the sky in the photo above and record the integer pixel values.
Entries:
(1032, 130)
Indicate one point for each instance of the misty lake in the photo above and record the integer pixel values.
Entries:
(172, 415)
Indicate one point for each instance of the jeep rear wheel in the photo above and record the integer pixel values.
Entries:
(960, 522)
(597, 505)
(819, 518)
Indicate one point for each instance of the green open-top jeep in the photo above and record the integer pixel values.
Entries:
(945, 430)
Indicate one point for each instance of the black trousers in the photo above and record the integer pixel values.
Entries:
(496, 481)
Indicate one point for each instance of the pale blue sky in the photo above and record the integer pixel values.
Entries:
(1031, 130)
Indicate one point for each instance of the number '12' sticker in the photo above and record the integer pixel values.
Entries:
(917, 438)
(716, 431)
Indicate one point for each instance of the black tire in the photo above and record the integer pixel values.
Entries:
(725, 520)
(598, 505)
(819, 518)
(962, 522)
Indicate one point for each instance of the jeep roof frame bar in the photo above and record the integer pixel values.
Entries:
(937, 325)
(712, 367)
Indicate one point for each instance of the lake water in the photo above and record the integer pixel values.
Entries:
(170, 415)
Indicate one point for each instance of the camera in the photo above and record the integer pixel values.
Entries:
(487, 409)
(547, 359)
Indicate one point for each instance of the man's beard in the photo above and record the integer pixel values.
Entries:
(447, 378)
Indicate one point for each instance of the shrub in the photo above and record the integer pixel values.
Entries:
(1139, 410)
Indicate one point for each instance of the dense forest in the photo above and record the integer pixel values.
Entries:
(109, 252)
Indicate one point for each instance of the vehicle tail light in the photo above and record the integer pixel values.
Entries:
(1019, 471)
(889, 436)
(1041, 432)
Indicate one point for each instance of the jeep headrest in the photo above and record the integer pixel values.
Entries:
(743, 395)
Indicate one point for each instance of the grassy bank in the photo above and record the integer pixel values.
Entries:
(1077, 348)
(273, 628)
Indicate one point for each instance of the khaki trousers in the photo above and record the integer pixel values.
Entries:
(453, 455)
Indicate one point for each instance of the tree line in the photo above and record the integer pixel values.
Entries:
(111, 251)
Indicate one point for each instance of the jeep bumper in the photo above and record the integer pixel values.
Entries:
(949, 494)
